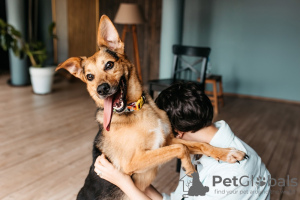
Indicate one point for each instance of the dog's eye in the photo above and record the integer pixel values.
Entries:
(90, 77)
(109, 65)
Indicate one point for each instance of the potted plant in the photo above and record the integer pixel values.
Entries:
(41, 77)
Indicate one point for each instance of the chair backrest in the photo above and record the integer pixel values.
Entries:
(185, 69)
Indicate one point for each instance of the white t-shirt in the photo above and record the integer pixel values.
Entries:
(247, 180)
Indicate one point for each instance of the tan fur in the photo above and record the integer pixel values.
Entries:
(138, 142)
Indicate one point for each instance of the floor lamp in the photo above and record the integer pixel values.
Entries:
(130, 14)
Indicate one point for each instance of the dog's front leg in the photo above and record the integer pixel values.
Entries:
(230, 155)
(153, 158)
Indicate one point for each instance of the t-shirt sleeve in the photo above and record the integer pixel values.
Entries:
(166, 197)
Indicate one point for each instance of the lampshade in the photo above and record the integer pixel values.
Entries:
(129, 13)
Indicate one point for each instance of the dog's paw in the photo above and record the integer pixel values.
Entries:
(233, 156)
(188, 168)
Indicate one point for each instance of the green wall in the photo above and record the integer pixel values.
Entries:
(170, 34)
(255, 44)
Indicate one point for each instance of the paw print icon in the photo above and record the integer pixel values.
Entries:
(261, 181)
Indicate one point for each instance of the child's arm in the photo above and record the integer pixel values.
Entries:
(108, 172)
(153, 193)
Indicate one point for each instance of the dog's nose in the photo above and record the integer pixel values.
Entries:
(103, 89)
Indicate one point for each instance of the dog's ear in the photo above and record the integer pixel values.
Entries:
(75, 66)
(108, 36)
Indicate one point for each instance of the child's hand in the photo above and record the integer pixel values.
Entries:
(107, 171)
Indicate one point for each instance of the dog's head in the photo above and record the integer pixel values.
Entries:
(108, 74)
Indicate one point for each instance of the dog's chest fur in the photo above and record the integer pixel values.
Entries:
(133, 132)
(160, 132)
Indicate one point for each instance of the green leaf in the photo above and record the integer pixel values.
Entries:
(2, 23)
(51, 29)
(12, 38)
(8, 40)
(3, 43)
(16, 33)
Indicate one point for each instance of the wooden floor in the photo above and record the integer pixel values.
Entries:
(46, 140)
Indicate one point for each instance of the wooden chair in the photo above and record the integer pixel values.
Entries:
(215, 95)
(183, 68)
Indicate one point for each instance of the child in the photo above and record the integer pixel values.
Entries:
(190, 113)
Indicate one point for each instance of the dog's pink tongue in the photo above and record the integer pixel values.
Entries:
(107, 112)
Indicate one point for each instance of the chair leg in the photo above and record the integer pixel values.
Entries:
(178, 165)
(215, 97)
(221, 96)
(151, 92)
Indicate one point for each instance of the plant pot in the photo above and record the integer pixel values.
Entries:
(41, 79)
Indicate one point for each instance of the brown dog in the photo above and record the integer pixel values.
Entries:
(136, 137)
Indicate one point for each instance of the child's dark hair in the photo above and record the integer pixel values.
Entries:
(187, 107)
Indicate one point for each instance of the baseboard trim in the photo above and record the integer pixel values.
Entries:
(262, 98)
